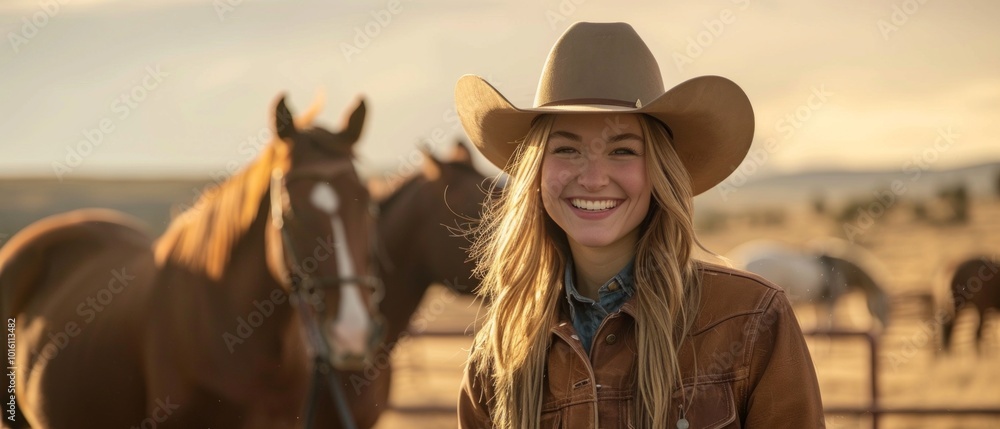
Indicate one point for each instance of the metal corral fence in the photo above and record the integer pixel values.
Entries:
(874, 409)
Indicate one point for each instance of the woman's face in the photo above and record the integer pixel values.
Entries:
(594, 181)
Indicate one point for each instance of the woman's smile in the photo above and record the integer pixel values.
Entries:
(594, 205)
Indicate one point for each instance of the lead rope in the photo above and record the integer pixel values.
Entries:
(322, 366)
(321, 359)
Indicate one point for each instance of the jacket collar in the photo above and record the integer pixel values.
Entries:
(723, 305)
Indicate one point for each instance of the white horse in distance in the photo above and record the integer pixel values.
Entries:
(819, 274)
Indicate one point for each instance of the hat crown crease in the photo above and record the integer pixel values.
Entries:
(599, 61)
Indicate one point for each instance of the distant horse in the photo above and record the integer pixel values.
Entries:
(975, 284)
(819, 277)
(195, 329)
(421, 228)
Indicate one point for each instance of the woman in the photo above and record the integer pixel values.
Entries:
(599, 315)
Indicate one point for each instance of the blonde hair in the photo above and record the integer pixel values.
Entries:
(521, 256)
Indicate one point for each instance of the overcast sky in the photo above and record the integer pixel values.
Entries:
(182, 87)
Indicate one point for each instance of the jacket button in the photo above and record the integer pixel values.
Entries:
(613, 286)
(610, 339)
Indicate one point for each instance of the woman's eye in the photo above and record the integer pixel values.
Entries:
(564, 149)
(623, 151)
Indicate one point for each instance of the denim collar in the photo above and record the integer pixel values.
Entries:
(625, 279)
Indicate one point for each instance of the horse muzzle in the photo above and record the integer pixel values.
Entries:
(353, 349)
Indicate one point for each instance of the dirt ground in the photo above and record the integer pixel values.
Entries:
(915, 255)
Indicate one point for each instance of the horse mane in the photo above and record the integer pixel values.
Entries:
(202, 237)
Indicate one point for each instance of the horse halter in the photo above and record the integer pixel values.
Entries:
(308, 291)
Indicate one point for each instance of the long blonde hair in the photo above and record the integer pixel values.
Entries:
(521, 256)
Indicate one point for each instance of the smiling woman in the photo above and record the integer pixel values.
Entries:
(599, 315)
(595, 188)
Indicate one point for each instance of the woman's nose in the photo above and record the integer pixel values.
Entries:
(593, 175)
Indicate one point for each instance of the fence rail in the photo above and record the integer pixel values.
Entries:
(873, 408)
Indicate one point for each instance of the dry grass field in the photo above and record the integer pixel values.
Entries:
(916, 254)
(918, 258)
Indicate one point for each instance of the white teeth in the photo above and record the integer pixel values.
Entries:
(594, 205)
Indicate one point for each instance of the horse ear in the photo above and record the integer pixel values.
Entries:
(460, 153)
(284, 123)
(432, 167)
(355, 123)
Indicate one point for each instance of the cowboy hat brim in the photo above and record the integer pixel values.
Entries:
(710, 117)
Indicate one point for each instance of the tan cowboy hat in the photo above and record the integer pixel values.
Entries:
(606, 67)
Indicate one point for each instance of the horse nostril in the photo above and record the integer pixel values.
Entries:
(348, 362)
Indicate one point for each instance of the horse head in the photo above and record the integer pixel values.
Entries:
(974, 284)
(851, 267)
(844, 275)
(320, 236)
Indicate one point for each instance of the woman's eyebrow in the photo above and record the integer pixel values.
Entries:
(565, 135)
(623, 137)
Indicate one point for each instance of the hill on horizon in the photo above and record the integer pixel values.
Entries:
(839, 186)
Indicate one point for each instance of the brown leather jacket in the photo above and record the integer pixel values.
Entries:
(753, 368)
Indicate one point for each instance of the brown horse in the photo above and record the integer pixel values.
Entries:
(975, 284)
(421, 243)
(196, 329)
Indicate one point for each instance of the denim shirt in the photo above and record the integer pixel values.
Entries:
(585, 313)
